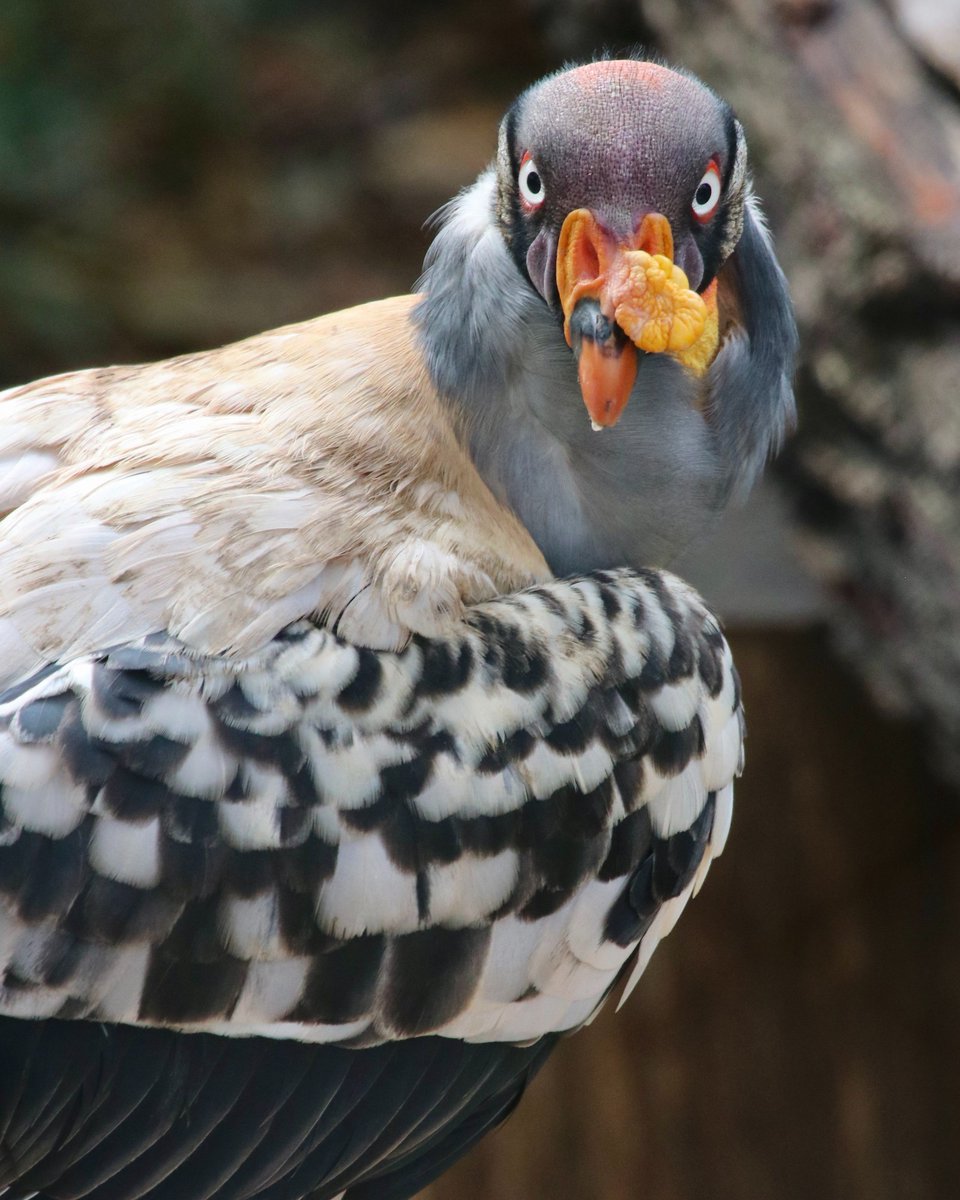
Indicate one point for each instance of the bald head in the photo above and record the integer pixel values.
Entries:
(621, 96)
(622, 138)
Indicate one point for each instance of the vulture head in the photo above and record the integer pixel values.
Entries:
(605, 314)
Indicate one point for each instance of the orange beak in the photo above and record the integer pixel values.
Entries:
(619, 297)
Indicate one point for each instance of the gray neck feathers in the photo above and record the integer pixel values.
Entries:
(751, 380)
(475, 307)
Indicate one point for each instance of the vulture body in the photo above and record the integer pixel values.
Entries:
(325, 805)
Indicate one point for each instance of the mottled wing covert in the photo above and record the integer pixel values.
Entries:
(475, 836)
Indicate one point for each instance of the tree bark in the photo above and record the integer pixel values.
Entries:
(855, 137)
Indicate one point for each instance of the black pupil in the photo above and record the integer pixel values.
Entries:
(533, 183)
(704, 194)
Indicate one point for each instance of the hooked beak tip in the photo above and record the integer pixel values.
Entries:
(606, 362)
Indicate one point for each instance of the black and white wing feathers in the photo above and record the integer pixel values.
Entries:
(472, 837)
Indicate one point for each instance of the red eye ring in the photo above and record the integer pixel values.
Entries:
(706, 197)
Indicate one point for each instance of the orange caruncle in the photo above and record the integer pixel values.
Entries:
(653, 304)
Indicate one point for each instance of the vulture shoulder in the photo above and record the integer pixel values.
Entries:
(309, 471)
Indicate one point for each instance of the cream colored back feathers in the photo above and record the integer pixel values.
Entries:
(311, 470)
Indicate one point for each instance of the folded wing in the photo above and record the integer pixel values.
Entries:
(475, 836)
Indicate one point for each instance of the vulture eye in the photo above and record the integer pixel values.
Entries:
(707, 196)
(530, 183)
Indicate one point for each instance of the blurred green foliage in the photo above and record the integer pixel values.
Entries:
(178, 174)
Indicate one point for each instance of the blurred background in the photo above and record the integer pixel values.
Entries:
(179, 174)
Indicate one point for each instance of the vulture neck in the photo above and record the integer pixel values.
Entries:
(634, 495)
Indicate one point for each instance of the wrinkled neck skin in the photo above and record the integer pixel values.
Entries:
(633, 495)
